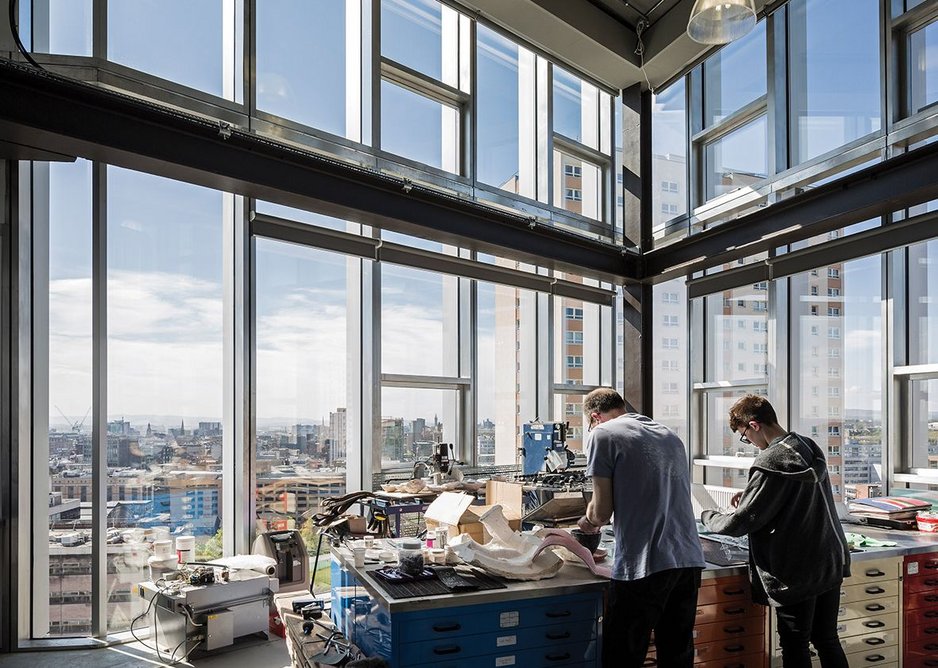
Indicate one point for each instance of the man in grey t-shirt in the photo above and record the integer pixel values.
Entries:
(640, 477)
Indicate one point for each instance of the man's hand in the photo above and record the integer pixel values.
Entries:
(585, 526)
(735, 500)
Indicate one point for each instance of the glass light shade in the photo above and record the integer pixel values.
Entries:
(721, 21)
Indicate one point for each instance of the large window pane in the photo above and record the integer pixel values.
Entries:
(416, 127)
(576, 108)
(577, 340)
(418, 322)
(66, 608)
(923, 431)
(669, 362)
(507, 350)
(58, 26)
(834, 74)
(178, 40)
(720, 441)
(735, 76)
(165, 362)
(292, 35)
(423, 35)
(923, 68)
(739, 323)
(412, 421)
(923, 303)
(668, 155)
(836, 317)
(577, 186)
(302, 431)
(736, 160)
(505, 113)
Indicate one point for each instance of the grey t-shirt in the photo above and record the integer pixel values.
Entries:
(654, 520)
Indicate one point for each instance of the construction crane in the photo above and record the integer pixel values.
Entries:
(74, 426)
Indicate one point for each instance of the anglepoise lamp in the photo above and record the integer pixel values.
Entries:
(721, 21)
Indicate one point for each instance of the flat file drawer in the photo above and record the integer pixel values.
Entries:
(925, 584)
(432, 651)
(921, 599)
(496, 617)
(717, 612)
(920, 565)
(855, 627)
(921, 632)
(729, 648)
(573, 654)
(748, 661)
(867, 608)
(870, 641)
(851, 593)
(724, 589)
(921, 617)
(870, 570)
(729, 628)
(874, 657)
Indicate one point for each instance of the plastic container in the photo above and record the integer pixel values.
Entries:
(163, 560)
(431, 539)
(927, 522)
(185, 549)
(410, 557)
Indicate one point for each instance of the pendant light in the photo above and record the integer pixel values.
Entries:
(721, 21)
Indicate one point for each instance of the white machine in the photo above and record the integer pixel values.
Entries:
(186, 616)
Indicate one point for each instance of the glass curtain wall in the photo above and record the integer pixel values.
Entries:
(668, 156)
(669, 362)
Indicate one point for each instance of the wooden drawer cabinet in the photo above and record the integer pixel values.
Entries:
(730, 628)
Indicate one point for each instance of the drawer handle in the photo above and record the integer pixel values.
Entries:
(931, 563)
(874, 590)
(444, 628)
(734, 648)
(931, 646)
(931, 614)
(734, 592)
(734, 665)
(557, 636)
(734, 611)
(873, 658)
(931, 582)
(931, 598)
(557, 657)
(875, 607)
(874, 624)
(451, 649)
(560, 613)
(874, 573)
(931, 662)
(733, 629)
(931, 630)
(874, 641)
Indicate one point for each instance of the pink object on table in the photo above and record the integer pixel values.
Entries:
(561, 538)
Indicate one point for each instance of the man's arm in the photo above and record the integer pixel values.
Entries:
(763, 498)
(599, 510)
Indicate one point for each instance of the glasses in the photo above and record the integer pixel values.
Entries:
(742, 437)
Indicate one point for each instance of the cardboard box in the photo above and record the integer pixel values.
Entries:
(454, 513)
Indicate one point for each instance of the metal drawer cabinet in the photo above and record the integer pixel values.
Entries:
(920, 610)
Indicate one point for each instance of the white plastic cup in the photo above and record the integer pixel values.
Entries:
(185, 549)
(358, 554)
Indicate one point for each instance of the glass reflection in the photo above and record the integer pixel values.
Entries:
(739, 322)
(923, 68)
(834, 74)
(669, 155)
(735, 76)
(836, 316)
(416, 127)
(736, 160)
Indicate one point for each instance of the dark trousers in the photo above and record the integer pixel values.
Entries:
(665, 602)
(813, 620)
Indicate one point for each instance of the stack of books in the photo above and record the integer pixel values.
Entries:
(895, 512)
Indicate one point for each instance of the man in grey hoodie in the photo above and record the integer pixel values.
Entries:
(798, 555)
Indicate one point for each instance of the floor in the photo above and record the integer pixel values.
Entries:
(260, 654)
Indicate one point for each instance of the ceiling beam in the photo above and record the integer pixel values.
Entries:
(60, 115)
(891, 185)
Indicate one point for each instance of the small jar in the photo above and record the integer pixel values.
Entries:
(410, 557)
(431, 539)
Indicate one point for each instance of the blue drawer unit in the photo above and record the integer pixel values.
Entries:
(561, 630)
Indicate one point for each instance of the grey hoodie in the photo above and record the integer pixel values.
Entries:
(797, 547)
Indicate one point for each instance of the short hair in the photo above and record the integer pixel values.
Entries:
(752, 408)
(603, 400)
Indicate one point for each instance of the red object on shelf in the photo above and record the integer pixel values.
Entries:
(276, 625)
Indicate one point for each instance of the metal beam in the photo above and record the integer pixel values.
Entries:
(898, 183)
(65, 116)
